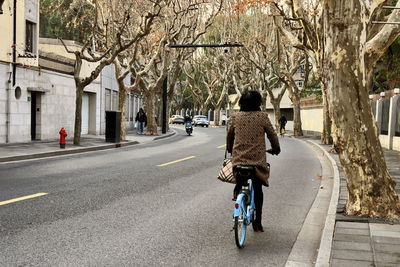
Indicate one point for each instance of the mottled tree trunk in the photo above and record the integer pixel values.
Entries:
(277, 114)
(326, 135)
(150, 113)
(78, 115)
(264, 95)
(204, 111)
(216, 117)
(122, 108)
(371, 189)
(295, 95)
(297, 130)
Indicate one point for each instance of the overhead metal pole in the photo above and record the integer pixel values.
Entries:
(205, 45)
(390, 7)
(387, 22)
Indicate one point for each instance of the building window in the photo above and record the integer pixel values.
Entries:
(127, 102)
(115, 101)
(132, 107)
(299, 84)
(300, 69)
(108, 99)
(30, 34)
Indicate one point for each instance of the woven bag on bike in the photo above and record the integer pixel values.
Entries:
(226, 172)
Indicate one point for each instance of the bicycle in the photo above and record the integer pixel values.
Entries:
(243, 213)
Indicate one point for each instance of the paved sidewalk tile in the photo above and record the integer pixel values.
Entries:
(386, 240)
(386, 258)
(352, 255)
(353, 225)
(352, 231)
(388, 248)
(385, 264)
(386, 243)
(351, 263)
(384, 227)
(352, 246)
(354, 238)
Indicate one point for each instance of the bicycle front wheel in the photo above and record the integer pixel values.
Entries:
(240, 225)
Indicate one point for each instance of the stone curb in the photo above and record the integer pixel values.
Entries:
(65, 152)
(325, 248)
(76, 150)
(165, 136)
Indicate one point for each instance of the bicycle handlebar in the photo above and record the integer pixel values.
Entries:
(270, 151)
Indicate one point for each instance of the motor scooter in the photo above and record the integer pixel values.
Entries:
(189, 128)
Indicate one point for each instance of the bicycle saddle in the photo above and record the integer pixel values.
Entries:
(245, 171)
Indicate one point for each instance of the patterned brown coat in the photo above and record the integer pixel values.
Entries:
(246, 138)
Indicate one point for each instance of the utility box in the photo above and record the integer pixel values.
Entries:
(113, 126)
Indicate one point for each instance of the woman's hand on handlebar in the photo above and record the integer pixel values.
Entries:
(273, 152)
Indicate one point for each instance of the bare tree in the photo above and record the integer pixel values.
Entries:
(110, 22)
(293, 59)
(265, 58)
(180, 23)
(314, 48)
(351, 46)
(197, 75)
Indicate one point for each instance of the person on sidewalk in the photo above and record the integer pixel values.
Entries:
(141, 120)
(246, 142)
(282, 122)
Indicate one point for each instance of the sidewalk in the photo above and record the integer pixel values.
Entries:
(359, 241)
(49, 148)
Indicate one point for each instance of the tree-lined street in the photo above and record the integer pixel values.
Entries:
(118, 207)
(139, 191)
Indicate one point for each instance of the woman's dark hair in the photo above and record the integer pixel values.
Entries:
(250, 101)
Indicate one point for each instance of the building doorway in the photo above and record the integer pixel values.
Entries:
(33, 115)
(85, 114)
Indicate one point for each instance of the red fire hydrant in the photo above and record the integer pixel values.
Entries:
(63, 134)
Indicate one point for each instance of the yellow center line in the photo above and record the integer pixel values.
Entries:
(21, 198)
(221, 146)
(175, 161)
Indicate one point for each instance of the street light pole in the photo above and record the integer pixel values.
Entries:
(164, 107)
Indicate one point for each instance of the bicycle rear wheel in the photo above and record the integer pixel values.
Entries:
(240, 225)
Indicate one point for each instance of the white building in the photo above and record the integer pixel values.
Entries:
(20, 83)
(37, 88)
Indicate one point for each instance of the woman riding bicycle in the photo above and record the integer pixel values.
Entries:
(246, 143)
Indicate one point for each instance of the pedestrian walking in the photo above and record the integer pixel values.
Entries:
(282, 122)
(141, 120)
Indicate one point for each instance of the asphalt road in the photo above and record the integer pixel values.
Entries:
(119, 208)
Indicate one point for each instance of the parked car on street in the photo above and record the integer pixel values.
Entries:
(200, 120)
(176, 119)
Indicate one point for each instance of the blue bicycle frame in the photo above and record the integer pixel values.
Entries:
(247, 211)
(250, 212)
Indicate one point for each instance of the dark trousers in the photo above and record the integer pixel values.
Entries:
(258, 196)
